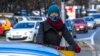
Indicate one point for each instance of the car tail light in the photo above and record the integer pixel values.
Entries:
(81, 26)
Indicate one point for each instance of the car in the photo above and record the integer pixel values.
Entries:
(70, 26)
(80, 25)
(6, 24)
(96, 18)
(90, 22)
(29, 49)
(24, 31)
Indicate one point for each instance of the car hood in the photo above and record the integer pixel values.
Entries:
(20, 30)
(28, 48)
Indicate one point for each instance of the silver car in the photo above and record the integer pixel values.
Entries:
(96, 17)
(91, 23)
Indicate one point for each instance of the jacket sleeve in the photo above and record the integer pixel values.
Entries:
(68, 37)
(40, 35)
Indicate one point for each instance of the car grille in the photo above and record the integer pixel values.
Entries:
(23, 38)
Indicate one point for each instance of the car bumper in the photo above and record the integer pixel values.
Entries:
(19, 38)
(80, 29)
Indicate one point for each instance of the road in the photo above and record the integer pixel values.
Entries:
(87, 52)
(83, 52)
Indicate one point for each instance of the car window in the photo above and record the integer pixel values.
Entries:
(19, 18)
(24, 25)
(13, 20)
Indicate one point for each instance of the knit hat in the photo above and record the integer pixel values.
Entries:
(53, 8)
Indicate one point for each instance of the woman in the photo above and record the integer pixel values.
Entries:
(53, 29)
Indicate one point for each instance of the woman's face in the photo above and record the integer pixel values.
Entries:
(54, 16)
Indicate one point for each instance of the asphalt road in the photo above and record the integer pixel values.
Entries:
(87, 52)
(81, 35)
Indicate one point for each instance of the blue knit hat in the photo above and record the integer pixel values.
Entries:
(53, 8)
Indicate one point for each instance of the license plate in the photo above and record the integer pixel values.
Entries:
(16, 36)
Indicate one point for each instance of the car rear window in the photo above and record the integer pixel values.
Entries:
(79, 21)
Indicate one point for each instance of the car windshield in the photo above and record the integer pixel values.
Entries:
(2, 21)
(24, 25)
(79, 21)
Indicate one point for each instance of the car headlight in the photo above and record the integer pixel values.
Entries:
(8, 34)
(81, 26)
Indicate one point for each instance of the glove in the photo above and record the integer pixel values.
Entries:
(77, 49)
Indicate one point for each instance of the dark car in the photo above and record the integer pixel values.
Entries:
(80, 25)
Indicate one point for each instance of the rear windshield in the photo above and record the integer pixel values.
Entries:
(79, 21)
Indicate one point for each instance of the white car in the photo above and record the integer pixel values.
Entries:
(91, 23)
(96, 18)
(23, 31)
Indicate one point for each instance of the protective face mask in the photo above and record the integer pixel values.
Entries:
(53, 18)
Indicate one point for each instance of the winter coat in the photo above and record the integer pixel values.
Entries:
(48, 35)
